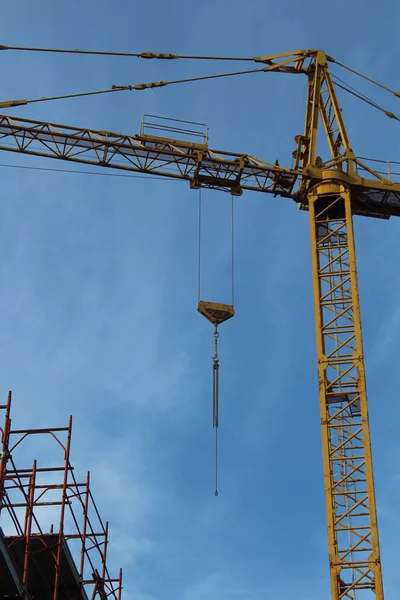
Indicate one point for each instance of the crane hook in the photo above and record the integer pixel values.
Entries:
(216, 314)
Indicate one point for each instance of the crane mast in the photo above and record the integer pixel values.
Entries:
(353, 542)
(354, 555)
(332, 190)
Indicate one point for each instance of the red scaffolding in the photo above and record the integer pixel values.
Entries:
(39, 560)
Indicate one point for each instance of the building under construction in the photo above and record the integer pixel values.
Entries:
(40, 560)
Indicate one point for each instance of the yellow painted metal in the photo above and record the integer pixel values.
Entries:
(322, 103)
(354, 556)
(216, 313)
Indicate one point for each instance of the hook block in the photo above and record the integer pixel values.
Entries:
(216, 313)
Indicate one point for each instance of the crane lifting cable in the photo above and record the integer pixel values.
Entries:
(216, 313)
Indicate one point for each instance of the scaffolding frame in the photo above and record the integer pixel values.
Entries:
(40, 563)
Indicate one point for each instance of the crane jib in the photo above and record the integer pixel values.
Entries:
(213, 169)
(168, 158)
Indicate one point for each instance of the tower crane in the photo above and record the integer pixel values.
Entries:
(332, 189)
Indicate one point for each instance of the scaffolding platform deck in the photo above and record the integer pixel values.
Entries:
(41, 574)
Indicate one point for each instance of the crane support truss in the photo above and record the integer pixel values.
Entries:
(354, 556)
(322, 103)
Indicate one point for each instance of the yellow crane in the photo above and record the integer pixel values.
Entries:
(333, 190)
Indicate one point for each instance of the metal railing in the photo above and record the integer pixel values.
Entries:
(190, 132)
(389, 169)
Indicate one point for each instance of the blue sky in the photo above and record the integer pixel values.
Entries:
(99, 295)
